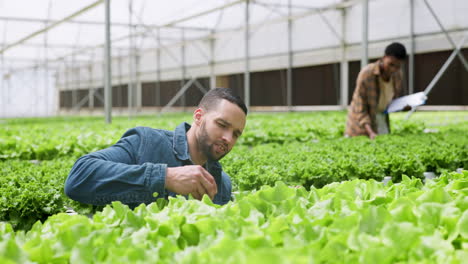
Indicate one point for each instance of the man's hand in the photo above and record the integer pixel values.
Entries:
(370, 132)
(193, 179)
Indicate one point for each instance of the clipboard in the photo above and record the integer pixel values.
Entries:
(412, 100)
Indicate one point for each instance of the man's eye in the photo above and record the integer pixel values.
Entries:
(221, 125)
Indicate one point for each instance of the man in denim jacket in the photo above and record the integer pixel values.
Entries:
(147, 161)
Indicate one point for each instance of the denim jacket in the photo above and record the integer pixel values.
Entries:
(133, 169)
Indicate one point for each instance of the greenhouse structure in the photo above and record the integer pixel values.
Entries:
(278, 55)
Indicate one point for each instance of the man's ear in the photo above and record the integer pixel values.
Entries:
(197, 116)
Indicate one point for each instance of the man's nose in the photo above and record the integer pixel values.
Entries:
(228, 137)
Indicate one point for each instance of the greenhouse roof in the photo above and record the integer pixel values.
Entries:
(35, 32)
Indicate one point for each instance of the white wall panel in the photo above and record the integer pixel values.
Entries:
(388, 19)
(229, 46)
(148, 61)
(391, 19)
(312, 32)
(197, 52)
(261, 43)
(171, 57)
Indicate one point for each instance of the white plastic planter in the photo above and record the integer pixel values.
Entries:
(386, 179)
(429, 175)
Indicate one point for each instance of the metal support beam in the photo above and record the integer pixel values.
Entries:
(92, 23)
(3, 75)
(289, 76)
(338, 5)
(55, 46)
(283, 5)
(108, 67)
(183, 67)
(179, 94)
(445, 66)
(441, 71)
(66, 80)
(74, 91)
(365, 36)
(270, 7)
(46, 63)
(257, 27)
(344, 4)
(78, 84)
(74, 98)
(120, 73)
(247, 56)
(90, 86)
(99, 96)
(37, 60)
(170, 24)
(344, 69)
(204, 13)
(200, 86)
(2, 78)
(198, 47)
(330, 26)
(212, 62)
(131, 61)
(138, 82)
(459, 54)
(80, 104)
(412, 50)
(158, 70)
(36, 94)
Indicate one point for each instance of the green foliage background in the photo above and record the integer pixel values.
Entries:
(341, 213)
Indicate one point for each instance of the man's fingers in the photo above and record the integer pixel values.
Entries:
(203, 190)
(207, 187)
(210, 187)
(208, 176)
(197, 193)
(211, 180)
(194, 180)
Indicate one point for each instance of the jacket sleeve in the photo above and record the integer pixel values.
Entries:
(361, 106)
(113, 174)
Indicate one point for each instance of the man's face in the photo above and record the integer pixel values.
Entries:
(391, 64)
(219, 129)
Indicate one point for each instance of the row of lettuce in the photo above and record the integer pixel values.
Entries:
(358, 221)
(33, 190)
(326, 161)
(46, 139)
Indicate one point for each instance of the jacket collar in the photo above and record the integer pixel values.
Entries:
(180, 143)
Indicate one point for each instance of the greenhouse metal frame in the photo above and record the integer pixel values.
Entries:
(288, 12)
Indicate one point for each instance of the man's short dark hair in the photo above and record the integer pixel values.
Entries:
(396, 50)
(214, 96)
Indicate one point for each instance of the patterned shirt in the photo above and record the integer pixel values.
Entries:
(363, 107)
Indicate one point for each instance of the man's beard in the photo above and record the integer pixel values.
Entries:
(206, 148)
